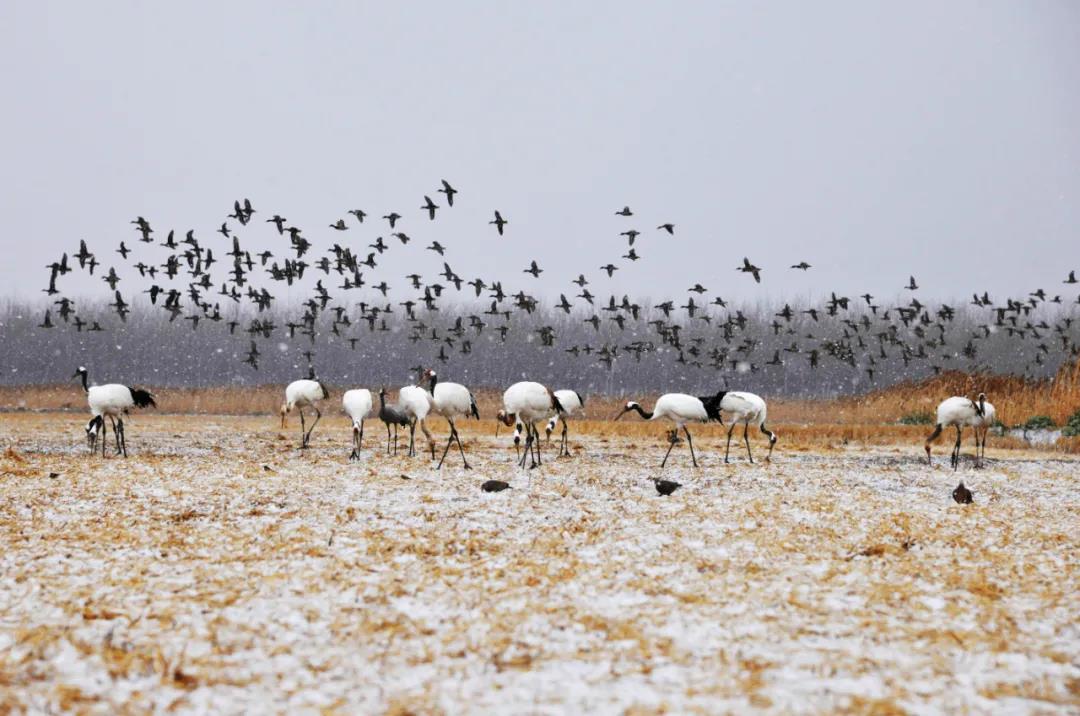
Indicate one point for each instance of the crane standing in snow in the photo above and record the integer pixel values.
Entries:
(357, 404)
(416, 402)
(745, 408)
(529, 402)
(391, 415)
(300, 394)
(451, 400)
(112, 400)
(572, 403)
(680, 409)
(958, 411)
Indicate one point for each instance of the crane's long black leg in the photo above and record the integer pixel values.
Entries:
(461, 448)
(318, 415)
(449, 442)
(355, 454)
(690, 442)
(412, 437)
(360, 440)
(123, 437)
(565, 439)
(727, 450)
(103, 440)
(746, 437)
(956, 449)
(536, 444)
(303, 429)
(528, 448)
(671, 444)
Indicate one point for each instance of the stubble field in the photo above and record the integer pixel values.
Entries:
(220, 569)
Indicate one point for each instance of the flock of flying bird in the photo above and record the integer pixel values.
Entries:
(197, 276)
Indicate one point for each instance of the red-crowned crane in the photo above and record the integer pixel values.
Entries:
(417, 403)
(300, 394)
(529, 403)
(958, 412)
(983, 424)
(572, 403)
(451, 400)
(358, 406)
(745, 408)
(680, 409)
(112, 400)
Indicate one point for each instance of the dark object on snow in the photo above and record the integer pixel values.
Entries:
(962, 495)
(666, 487)
(495, 486)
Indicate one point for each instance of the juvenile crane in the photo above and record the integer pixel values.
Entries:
(529, 403)
(451, 400)
(112, 400)
(358, 406)
(416, 403)
(300, 394)
(958, 412)
(680, 409)
(572, 403)
(391, 415)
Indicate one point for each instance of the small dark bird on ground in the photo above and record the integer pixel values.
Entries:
(666, 487)
(499, 222)
(962, 495)
(495, 486)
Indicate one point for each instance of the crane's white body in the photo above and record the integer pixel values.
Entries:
(417, 403)
(451, 400)
(572, 404)
(529, 403)
(110, 400)
(960, 412)
(358, 406)
(680, 409)
(301, 394)
(748, 409)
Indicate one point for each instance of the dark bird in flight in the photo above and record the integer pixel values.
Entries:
(748, 267)
(610, 268)
(534, 270)
(802, 265)
(912, 286)
(359, 214)
(279, 222)
(430, 206)
(670, 228)
(123, 251)
(392, 217)
(499, 222)
(625, 211)
(449, 191)
(339, 225)
(1071, 278)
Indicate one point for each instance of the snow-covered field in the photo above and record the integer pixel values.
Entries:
(219, 570)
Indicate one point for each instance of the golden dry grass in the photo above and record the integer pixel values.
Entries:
(219, 569)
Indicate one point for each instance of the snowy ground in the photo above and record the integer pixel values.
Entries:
(217, 569)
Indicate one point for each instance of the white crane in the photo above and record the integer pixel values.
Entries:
(959, 412)
(358, 406)
(680, 409)
(529, 403)
(451, 400)
(302, 394)
(416, 403)
(572, 403)
(745, 408)
(112, 400)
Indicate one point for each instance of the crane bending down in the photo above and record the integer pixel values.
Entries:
(572, 403)
(358, 406)
(451, 400)
(745, 408)
(680, 409)
(417, 403)
(112, 400)
(530, 403)
(300, 394)
(958, 412)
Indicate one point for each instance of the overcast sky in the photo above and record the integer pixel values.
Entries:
(873, 141)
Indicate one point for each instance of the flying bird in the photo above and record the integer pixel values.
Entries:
(499, 222)
(750, 268)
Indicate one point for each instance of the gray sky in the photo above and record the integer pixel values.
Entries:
(873, 141)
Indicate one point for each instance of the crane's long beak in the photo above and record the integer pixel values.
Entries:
(620, 414)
